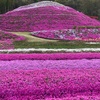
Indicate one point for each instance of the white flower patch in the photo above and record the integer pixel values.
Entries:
(50, 50)
(92, 43)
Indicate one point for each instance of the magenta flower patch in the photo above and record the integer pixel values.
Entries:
(49, 56)
(54, 83)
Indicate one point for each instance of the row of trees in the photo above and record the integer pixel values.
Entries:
(6, 5)
(89, 7)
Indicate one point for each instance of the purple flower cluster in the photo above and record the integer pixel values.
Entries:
(44, 18)
(54, 83)
(51, 56)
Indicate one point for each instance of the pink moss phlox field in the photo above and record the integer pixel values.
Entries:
(49, 64)
(44, 18)
(52, 83)
(49, 56)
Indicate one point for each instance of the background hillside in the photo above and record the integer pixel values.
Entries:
(89, 7)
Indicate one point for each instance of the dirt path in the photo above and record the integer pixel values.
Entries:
(33, 38)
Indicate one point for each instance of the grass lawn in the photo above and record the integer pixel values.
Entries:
(34, 42)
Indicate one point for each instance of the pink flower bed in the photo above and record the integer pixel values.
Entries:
(7, 39)
(66, 98)
(26, 77)
(76, 98)
(41, 84)
(52, 56)
(9, 36)
(49, 64)
(6, 44)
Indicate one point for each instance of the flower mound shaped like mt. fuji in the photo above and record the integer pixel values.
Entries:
(45, 15)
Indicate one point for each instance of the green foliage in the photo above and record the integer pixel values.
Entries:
(51, 45)
(6, 5)
(89, 7)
